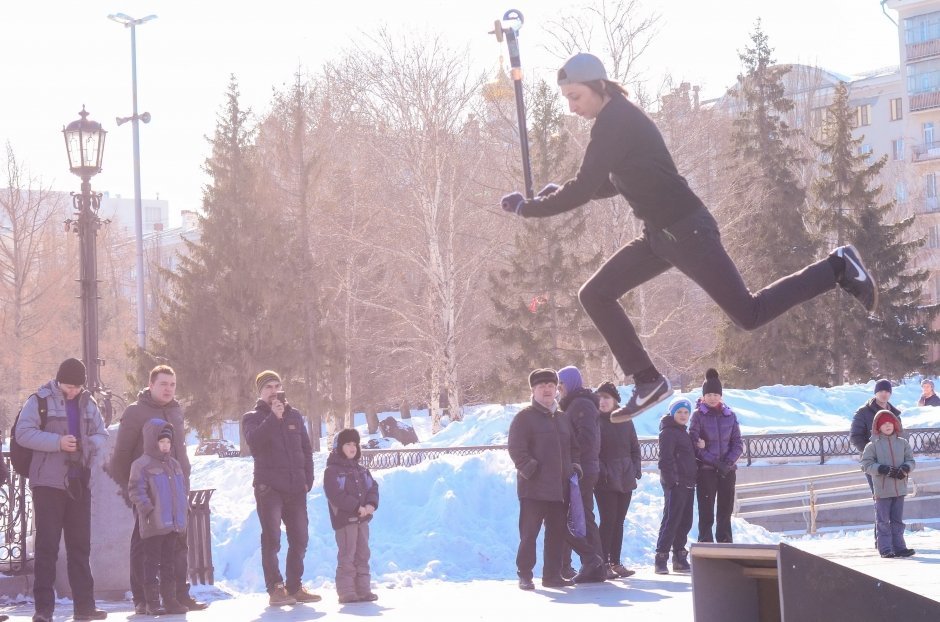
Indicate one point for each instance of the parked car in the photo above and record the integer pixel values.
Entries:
(217, 446)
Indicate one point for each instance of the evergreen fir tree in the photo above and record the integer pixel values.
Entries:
(894, 343)
(228, 314)
(771, 238)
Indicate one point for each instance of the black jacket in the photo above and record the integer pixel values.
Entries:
(281, 448)
(348, 486)
(581, 407)
(541, 444)
(620, 456)
(626, 155)
(860, 434)
(677, 464)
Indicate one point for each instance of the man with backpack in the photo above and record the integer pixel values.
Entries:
(61, 426)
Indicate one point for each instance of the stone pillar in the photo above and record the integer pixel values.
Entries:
(111, 524)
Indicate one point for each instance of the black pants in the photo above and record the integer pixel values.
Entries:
(589, 547)
(677, 519)
(160, 561)
(693, 246)
(57, 512)
(612, 508)
(290, 508)
(138, 554)
(532, 513)
(712, 487)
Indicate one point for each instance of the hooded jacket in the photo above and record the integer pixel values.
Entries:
(348, 486)
(677, 465)
(892, 450)
(620, 464)
(861, 430)
(542, 443)
(581, 407)
(157, 486)
(130, 441)
(49, 466)
(280, 447)
(718, 427)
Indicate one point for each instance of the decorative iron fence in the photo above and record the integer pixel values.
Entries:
(822, 445)
(16, 523)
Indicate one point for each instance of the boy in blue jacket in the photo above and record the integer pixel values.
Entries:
(677, 473)
(157, 487)
(353, 497)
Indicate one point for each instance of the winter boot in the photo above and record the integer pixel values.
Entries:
(568, 572)
(622, 571)
(184, 598)
(680, 561)
(593, 571)
(279, 596)
(152, 594)
(170, 604)
(610, 572)
(661, 559)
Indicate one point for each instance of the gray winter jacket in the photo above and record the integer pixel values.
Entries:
(892, 451)
(157, 487)
(49, 466)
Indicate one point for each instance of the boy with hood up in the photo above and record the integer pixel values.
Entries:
(157, 488)
(352, 496)
(888, 459)
(677, 474)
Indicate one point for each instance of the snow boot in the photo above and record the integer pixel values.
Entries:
(185, 599)
(660, 564)
(170, 604)
(592, 572)
(152, 594)
(622, 571)
(680, 561)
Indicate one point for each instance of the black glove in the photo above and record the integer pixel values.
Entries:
(893, 472)
(905, 467)
(511, 202)
(884, 469)
(723, 469)
(899, 473)
(576, 469)
(547, 190)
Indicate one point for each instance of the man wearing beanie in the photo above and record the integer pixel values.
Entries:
(277, 436)
(863, 421)
(542, 445)
(59, 477)
(580, 404)
(157, 401)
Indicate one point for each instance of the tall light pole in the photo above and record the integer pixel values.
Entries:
(130, 22)
(84, 142)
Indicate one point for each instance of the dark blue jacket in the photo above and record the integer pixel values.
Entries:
(677, 464)
(860, 433)
(581, 407)
(541, 445)
(281, 448)
(718, 427)
(348, 486)
(620, 456)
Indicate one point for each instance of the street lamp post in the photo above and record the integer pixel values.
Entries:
(130, 22)
(84, 142)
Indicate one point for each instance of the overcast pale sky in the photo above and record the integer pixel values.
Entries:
(59, 54)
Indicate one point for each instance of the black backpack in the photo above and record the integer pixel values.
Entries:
(21, 457)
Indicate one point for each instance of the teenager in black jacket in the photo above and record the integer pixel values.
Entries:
(627, 155)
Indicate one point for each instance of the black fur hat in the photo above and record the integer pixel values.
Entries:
(712, 384)
(348, 435)
(610, 389)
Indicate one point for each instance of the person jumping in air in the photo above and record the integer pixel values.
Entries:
(627, 155)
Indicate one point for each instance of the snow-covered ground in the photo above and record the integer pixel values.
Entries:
(444, 537)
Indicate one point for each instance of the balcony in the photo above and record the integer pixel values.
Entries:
(926, 152)
(922, 50)
(928, 100)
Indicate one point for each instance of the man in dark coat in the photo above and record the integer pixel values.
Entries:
(860, 434)
(542, 444)
(157, 401)
(277, 437)
(580, 404)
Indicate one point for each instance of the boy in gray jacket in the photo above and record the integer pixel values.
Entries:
(158, 490)
(888, 459)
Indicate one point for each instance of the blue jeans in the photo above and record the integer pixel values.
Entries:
(274, 507)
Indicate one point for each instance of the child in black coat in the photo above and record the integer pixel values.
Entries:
(677, 471)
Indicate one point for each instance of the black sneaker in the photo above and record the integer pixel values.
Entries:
(856, 279)
(93, 614)
(905, 553)
(645, 395)
(526, 584)
(888, 554)
(559, 582)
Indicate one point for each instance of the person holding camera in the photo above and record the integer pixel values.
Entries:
(59, 474)
(277, 436)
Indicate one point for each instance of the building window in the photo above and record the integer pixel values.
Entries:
(896, 109)
(928, 135)
(864, 150)
(900, 192)
(922, 28)
(930, 192)
(897, 149)
(863, 115)
(933, 237)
